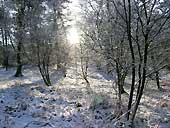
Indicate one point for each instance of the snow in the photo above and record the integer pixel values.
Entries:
(27, 103)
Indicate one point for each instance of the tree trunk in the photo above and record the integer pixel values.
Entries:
(140, 80)
(140, 59)
(43, 65)
(3, 46)
(20, 36)
(6, 51)
(128, 23)
(122, 90)
(19, 63)
(143, 78)
(4, 37)
(120, 84)
(157, 80)
(45, 75)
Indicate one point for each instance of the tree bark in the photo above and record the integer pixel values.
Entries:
(6, 51)
(157, 80)
(19, 63)
(20, 33)
(43, 65)
(128, 23)
(143, 77)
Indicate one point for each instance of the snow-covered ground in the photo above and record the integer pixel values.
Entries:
(27, 103)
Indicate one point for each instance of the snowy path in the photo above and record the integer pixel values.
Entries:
(26, 103)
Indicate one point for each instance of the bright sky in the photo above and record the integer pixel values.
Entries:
(74, 6)
(73, 36)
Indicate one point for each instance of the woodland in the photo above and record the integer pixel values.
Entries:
(84, 63)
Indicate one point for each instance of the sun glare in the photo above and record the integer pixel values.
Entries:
(73, 36)
(72, 32)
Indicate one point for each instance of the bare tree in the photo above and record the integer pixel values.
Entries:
(84, 59)
(141, 23)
